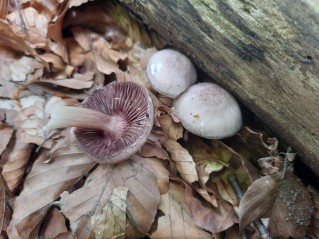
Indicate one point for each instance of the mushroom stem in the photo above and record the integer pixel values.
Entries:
(68, 116)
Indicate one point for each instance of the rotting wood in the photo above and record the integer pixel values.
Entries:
(265, 52)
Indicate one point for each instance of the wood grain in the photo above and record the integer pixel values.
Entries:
(265, 52)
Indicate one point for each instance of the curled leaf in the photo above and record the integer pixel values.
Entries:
(210, 218)
(183, 160)
(111, 220)
(177, 221)
(6, 133)
(142, 199)
(258, 200)
(51, 174)
(293, 208)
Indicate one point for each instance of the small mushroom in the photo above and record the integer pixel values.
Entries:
(170, 72)
(112, 124)
(209, 111)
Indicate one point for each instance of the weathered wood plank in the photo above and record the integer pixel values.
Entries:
(265, 52)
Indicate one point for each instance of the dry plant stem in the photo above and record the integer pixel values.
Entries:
(261, 228)
(23, 27)
(67, 116)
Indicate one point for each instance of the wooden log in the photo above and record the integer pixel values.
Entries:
(265, 52)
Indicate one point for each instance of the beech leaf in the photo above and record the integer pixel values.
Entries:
(171, 129)
(51, 174)
(55, 225)
(15, 161)
(208, 217)
(292, 210)
(111, 220)
(177, 221)
(6, 133)
(257, 200)
(142, 199)
(5, 213)
(183, 160)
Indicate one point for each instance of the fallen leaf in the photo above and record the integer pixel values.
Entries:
(5, 213)
(6, 133)
(208, 217)
(142, 200)
(176, 221)
(54, 226)
(233, 233)
(21, 68)
(9, 38)
(80, 81)
(32, 119)
(36, 23)
(257, 200)
(183, 160)
(172, 130)
(51, 174)
(15, 160)
(153, 148)
(292, 210)
(111, 220)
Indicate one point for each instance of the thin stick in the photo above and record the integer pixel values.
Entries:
(23, 26)
(261, 228)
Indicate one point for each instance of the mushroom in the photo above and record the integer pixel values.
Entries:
(112, 124)
(209, 111)
(170, 72)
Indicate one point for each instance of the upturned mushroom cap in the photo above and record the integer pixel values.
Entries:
(209, 111)
(170, 72)
(131, 104)
(112, 124)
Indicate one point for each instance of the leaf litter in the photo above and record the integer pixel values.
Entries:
(57, 53)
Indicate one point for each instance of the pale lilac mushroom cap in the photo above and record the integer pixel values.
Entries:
(209, 111)
(170, 72)
(112, 124)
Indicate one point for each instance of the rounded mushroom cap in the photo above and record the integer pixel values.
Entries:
(209, 111)
(170, 72)
(132, 108)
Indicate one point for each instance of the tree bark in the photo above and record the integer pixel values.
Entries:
(266, 53)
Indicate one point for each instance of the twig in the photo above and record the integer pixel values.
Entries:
(261, 228)
(23, 26)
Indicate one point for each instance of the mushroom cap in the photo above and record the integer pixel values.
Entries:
(170, 72)
(132, 106)
(209, 111)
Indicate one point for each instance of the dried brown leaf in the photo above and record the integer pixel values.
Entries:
(153, 148)
(15, 160)
(177, 221)
(293, 208)
(34, 116)
(54, 226)
(183, 160)
(9, 38)
(142, 200)
(207, 217)
(257, 200)
(171, 129)
(6, 133)
(80, 81)
(51, 174)
(21, 68)
(111, 220)
(162, 174)
(5, 213)
(36, 23)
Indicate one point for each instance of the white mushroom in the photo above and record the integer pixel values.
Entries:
(170, 72)
(209, 111)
